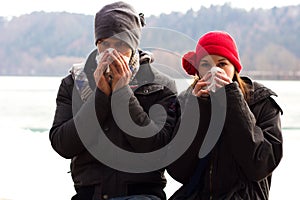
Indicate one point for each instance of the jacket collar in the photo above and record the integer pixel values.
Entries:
(257, 91)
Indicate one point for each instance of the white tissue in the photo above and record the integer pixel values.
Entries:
(213, 71)
(99, 56)
(110, 50)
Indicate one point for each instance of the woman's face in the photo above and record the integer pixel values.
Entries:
(209, 61)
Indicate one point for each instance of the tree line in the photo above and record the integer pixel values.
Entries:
(48, 43)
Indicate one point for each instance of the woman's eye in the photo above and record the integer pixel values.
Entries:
(205, 65)
(222, 64)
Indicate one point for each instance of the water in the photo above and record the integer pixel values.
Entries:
(31, 170)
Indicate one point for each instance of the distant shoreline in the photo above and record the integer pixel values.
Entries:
(271, 75)
(258, 75)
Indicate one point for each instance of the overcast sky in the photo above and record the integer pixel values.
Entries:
(11, 8)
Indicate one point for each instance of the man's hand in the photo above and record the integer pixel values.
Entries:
(121, 73)
(102, 81)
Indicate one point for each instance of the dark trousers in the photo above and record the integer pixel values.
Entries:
(87, 193)
(84, 193)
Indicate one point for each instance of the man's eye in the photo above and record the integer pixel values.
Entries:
(118, 44)
(121, 44)
(104, 44)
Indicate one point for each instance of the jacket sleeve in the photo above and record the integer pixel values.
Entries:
(71, 126)
(254, 137)
(152, 130)
(184, 167)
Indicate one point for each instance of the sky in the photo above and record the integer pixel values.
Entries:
(10, 8)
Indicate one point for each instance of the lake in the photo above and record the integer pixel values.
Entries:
(31, 170)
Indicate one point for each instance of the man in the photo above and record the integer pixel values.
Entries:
(107, 113)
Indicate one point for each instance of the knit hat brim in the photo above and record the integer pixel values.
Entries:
(212, 43)
(121, 21)
(220, 51)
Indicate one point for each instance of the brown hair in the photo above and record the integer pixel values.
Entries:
(242, 84)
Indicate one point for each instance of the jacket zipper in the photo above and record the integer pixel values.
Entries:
(210, 179)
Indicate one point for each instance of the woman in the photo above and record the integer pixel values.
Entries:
(248, 146)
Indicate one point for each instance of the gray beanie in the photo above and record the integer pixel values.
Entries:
(121, 21)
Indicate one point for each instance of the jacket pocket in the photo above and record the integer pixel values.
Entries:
(149, 89)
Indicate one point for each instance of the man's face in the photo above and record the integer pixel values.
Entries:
(116, 44)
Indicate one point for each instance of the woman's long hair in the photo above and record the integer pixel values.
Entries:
(243, 86)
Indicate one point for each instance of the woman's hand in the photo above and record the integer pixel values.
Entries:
(200, 88)
(211, 82)
(221, 79)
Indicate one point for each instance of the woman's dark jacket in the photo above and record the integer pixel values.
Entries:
(248, 150)
(74, 122)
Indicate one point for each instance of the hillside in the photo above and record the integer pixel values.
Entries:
(43, 43)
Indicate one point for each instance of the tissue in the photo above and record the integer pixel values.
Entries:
(110, 50)
(213, 71)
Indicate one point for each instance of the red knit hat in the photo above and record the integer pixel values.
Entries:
(212, 43)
